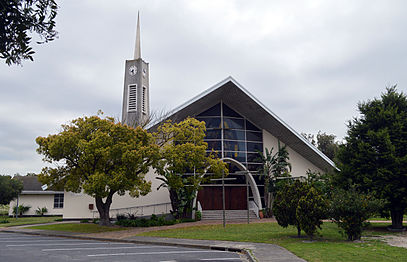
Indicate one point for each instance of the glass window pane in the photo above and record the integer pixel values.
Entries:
(254, 136)
(239, 156)
(213, 111)
(234, 146)
(250, 126)
(214, 145)
(254, 147)
(234, 134)
(254, 158)
(211, 122)
(213, 134)
(227, 111)
(233, 123)
(254, 167)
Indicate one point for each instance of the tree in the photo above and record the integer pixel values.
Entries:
(20, 18)
(274, 166)
(286, 203)
(374, 157)
(311, 209)
(99, 157)
(350, 209)
(184, 163)
(324, 142)
(9, 189)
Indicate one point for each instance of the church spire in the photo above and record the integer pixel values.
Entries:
(137, 50)
(136, 99)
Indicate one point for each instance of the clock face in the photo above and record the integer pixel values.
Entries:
(133, 70)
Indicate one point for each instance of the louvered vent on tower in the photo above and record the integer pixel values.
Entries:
(143, 102)
(132, 98)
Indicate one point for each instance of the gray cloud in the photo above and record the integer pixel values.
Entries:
(310, 62)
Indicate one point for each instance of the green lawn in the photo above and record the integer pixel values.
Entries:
(27, 220)
(79, 228)
(331, 246)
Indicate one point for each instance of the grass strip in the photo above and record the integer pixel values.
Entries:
(330, 246)
(26, 220)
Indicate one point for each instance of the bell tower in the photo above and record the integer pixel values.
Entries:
(136, 102)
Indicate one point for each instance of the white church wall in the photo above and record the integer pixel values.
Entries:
(36, 201)
(299, 165)
(76, 206)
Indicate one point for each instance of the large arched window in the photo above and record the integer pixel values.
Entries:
(232, 135)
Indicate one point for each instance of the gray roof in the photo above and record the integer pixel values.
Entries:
(30, 183)
(239, 99)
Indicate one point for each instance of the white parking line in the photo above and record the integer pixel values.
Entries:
(156, 253)
(67, 244)
(92, 248)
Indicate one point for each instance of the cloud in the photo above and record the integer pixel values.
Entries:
(310, 62)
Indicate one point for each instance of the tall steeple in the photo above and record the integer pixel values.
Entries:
(137, 49)
(136, 103)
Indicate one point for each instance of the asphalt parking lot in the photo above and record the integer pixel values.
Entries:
(21, 248)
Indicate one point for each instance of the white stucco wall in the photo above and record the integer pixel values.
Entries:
(36, 201)
(76, 206)
(299, 165)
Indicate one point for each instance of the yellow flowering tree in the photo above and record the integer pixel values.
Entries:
(185, 163)
(99, 157)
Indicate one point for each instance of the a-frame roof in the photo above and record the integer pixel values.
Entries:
(238, 98)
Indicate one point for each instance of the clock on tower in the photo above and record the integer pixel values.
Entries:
(136, 107)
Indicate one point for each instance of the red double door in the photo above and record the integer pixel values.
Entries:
(210, 197)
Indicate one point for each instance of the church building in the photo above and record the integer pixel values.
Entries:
(238, 127)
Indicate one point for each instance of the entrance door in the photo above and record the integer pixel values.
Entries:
(210, 197)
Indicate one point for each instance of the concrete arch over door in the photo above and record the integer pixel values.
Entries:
(248, 176)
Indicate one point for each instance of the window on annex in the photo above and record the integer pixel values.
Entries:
(58, 200)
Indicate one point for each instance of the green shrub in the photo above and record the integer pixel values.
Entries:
(143, 222)
(21, 209)
(41, 211)
(95, 221)
(121, 217)
(4, 210)
(350, 209)
(4, 220)
(286, 203)
(311, 209)
(198, 215)
(58, 220)
(84, 221)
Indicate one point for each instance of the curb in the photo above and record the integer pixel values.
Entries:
(246, 252)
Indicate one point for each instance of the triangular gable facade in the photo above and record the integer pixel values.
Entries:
(235, 96)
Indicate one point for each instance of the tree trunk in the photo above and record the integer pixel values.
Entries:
(104, 209)
(174, 203)
(271, 202)
(298, 231)
(266, 197)
(396, 218)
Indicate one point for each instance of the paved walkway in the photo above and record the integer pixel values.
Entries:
(254, 251)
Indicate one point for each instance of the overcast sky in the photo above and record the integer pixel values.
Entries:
(310, 62)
